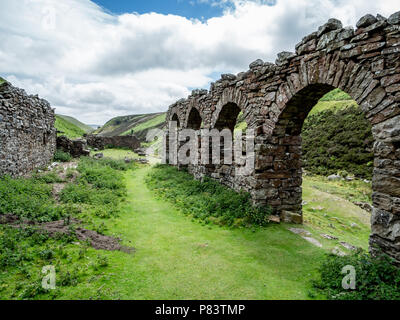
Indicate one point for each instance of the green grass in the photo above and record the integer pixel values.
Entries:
(327, 211)
(68, 129)
(29, 198)
(336, 95)
(116, 153)
(207, 200)
(177, 258)
(2, 80)
(332, 105)
(77, 123)
(147, 125)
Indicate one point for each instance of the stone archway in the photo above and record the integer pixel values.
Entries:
(176, 119)
(275, 98)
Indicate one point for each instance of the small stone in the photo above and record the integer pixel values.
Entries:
(380, 17)
(274, 219)
(228, 76)
(354, 225)
(338, 252)
(329, 237)
(285, 55)
(394, 18)
(300, 231)
(334, 177)
(348, 246)
(332, 24)
(366, 21)
(291, 217)
(255, 64)
(313, 241)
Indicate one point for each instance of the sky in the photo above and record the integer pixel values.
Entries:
(95, 60)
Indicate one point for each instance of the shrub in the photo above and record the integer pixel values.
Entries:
(50, 177)
(207, 199)
(28, 198)
(61, 156)
(338, 140)
(376, 278)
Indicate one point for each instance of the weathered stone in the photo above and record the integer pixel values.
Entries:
(27, 133)
(228, 77)
(332, 24)
(365, 21)
(256, 63)
(394, 18)
(75, 148)
(101, 142)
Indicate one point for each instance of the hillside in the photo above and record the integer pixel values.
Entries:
(132, 124)
(68, 129)
(84, 127)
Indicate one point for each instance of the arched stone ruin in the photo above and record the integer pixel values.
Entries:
(275, 98)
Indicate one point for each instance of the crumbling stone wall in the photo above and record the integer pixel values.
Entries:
(100, 142)
(275, 98)
(76, 148)
(27, 133)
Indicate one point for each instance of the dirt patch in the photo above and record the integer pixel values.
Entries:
(71, 227)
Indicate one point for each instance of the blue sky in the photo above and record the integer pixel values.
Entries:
(190, 9)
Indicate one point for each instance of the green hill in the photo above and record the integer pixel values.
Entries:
(77, 123)
(138, 125)
(67, 128)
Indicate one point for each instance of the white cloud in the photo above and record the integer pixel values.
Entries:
(94, 65)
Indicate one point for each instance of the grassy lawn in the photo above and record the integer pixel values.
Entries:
(328, 105)
(116, 153)
(178, 258)
(327, 211)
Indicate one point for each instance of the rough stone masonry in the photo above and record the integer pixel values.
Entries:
(275, 98)
(27, 133)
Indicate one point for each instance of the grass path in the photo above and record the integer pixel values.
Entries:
(178, 258)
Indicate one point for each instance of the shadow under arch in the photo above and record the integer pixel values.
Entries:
(176, 119)
(194, 119)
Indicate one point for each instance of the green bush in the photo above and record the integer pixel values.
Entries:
(376, 278)
(28, 198)
(100, 186)
(61, 156)
(50, 177)
(338, 140)
(207, 200)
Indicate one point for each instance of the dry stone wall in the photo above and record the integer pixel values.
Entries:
(101, 142)
(27, 133)
(275, 99)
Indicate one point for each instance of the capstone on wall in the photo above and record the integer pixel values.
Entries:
(27, 133)
(275, 98)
